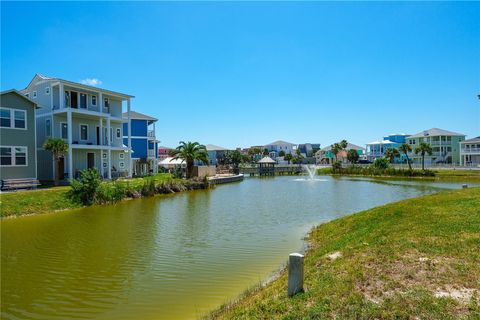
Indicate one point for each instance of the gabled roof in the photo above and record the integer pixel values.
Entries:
(212, 147)
(435, 132)
(278, 142)
(87, 87)
(473, 140)
(349, 146)
(266, 160)
(21, 95)
(138, 116)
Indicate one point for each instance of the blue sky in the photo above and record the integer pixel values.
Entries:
(240, 74)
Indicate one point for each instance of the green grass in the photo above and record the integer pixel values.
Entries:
(396, 260)
(55, 198)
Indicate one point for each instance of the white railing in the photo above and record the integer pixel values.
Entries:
(470, 150)
(151, 153)
(151, 134)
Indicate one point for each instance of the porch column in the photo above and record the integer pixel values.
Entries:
(100, 102)
(109, 156)
(61, 95)
(129, 127)
(100, 129)
(70, 140)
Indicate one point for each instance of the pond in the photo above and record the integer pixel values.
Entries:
(176, 256)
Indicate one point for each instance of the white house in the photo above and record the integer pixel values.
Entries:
(89, 119)
(470, 152)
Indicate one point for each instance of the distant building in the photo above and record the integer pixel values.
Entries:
(18, 148)
(308, 149)
(376, 149)
(144, 143)
(275, 147)
(470, 152)
(445, 145)
(326, 156)
(163, 153)
(216, 154)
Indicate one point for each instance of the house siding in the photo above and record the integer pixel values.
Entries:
(19, 137)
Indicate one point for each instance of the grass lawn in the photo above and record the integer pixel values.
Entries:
(414, 259)
(52, 199)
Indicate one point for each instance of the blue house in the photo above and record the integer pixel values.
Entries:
(144, 143)
(376, 149)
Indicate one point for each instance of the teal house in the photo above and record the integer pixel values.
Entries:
(17, 136)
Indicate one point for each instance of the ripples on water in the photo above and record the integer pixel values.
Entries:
(172, 257)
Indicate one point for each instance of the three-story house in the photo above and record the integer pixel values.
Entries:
(89, 119)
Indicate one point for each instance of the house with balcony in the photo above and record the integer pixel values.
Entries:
(445, 146)
(144, 143)
(275, 147)
(327, 156)
(216, 154)
(17, 137)
(470, 152)
(376, 149)
(88, 118)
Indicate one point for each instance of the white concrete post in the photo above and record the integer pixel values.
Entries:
(295, 273)
(70, 140)
(129, 128)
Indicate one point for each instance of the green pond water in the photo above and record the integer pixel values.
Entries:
(176, 256)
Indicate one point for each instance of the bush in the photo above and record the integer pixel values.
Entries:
(381, 163)
(336, 167)
(85, 189)
(148, 188)
(111, 192)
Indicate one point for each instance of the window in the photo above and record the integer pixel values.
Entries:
(64, 130)
(13, 156)
(119, 132)
(111, 134)
(18, 116)
(47, 90)
(5, 156)
(83, 132)
(48, 127)
(94, 100)
(5, 118)
(20, 156)
(83, 101)
(34, 94)
(121, 156)
(104, 164)
(121, 164)
(20, 119)
(104, 156)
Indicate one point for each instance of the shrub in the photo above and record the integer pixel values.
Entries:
(85, 189)
(336, 167)
(111, 192)
(381, 163)
(148, 188)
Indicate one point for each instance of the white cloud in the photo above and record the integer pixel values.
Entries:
(91, 82)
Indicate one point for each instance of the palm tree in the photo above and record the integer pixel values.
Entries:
(405, 148)
(339, 146)
(189, 152)
(352, 156)
(58, 147)
(288, 157)
(424, 148)
(391, 154)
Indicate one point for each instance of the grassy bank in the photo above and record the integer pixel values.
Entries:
(56, 198)
(414, 259)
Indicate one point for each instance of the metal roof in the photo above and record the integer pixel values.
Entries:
(138, 116)
(435, 132)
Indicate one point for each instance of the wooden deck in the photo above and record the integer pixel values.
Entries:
(279, 170)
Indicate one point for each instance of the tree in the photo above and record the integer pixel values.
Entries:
(391, 154)
(281, 153)
(405, 148)
(298, 152)
(189, 152)
(352, 156)
(381, 163)
(265, 152)
(288, 157)
(423, 149)
(233, 157)
(58, 147)
(339, 146)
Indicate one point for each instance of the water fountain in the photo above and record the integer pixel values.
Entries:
(312, 170)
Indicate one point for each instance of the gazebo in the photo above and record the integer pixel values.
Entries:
(266, 166)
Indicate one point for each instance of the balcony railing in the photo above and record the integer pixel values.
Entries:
(440, 143)
(151, 153)
(151, 134)
(470, 150)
